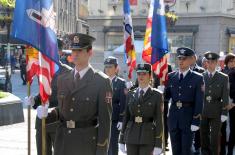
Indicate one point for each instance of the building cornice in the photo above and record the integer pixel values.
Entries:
(181, 15)
(113, 17)
(201, 15)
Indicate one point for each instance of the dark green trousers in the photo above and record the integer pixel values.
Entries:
(210, 132)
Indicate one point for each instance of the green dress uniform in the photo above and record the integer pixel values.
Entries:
(215, 100)
(142, 122)
(84, 111)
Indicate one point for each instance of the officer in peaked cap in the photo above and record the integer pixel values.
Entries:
(142, 123)
(84, 104)
(118, 101)
(215, 101)
(185, 88)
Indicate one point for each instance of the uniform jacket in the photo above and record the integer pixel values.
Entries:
(216, 95)
(89, 99)
(147, 132)
(119, 98)
(190, 90)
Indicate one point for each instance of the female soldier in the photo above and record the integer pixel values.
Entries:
(142, 123)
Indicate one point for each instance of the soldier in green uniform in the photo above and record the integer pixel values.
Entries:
(215, 101)
(142, 126)
(85, 104)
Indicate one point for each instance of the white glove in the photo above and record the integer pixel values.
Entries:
(122, 147)
(129, 84)
(157, 151)
(194, 128)
(223, 118)
(161, 88)
(29, 101)
(119, 125)
(42, 111)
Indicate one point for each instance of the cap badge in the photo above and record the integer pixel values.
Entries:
(182, 51)
(141, 65)
(210, 56)
(76, 39)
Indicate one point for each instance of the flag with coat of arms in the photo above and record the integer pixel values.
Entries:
(34, 23)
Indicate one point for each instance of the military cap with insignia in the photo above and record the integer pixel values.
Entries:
(184, 52)
(80, 41)
(144, 67)
(109, 61)
(211, 55)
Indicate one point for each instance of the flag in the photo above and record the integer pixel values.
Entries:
(129, 39)
(155, 41)
(32, 61)
(34, 23)
(133, 2)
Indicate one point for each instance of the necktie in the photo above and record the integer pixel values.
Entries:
(210, 75)
(181, 76)
(77, 77)
(141, 94)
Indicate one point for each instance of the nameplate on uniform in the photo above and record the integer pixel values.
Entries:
(70, 124)
(179, 104)
(208, 98)
(138, 119)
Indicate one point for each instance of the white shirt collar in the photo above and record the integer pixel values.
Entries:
(213, 73)
(184, 73)
(144, 89)
(111, 78)
(82, 72)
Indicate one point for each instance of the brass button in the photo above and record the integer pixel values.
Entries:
(93, 138)
(179, 94)
(138, 111)
(209, 91)
(71, 109)
(179, 87)
(138, 105)
(73, 99)
(69, 131)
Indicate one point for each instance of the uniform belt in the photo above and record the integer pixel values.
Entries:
(139, 119)
(79, 124)
(181, 104)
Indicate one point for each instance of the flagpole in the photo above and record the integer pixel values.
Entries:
(163, 125)
(43, 135)
(29, 120)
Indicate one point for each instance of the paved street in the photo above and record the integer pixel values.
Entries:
(13, 138)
